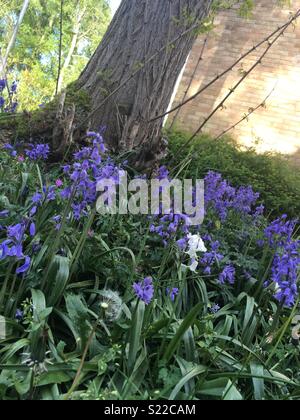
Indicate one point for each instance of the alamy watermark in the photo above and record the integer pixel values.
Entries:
(152, 197)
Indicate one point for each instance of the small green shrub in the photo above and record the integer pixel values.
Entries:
(276, 179)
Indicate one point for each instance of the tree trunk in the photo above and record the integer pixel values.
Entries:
(76, 29)
(140, 29)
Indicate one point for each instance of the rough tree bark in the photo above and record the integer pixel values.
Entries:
(139, 43)
(139, 29)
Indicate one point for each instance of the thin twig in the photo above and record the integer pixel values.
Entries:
(191, 79)
(231, 67)
(246, 116)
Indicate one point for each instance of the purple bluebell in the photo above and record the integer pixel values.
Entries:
(19, 315)
(2, 84)
(227, 275)
(284, 273)
(172, 293)
(13, 87)
(37, 198)
(215, 308)
(144, 290)
(4, 214)
(32, 229)
(280, 231)
(25, 267)
(33, 211)
(38, 151)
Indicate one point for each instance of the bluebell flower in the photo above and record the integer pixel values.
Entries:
(285, 270)
(32, 229)
(25, 267)
(19, 315)
(182, 244)
(2, 84)
(144, 290)
(16, 232)
(215, 308)
(33, 211)
(37, 198)
(227, 275)
(16, 251)
(13, 107)
(13, 87)
(172, 293)
(4, 214)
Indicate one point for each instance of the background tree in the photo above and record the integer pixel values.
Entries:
(34, 60)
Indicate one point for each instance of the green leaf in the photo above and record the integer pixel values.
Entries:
(258, 384)
(198, 370)
(213, 388)
(231, 393)
(53, 378)
(57, 279)
(184, 326)
(135, 333)
(12, 349)
(78, 316)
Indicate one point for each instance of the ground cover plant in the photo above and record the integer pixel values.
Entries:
(132, 307)
(274, 176)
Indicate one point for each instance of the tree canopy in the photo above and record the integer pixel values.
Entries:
(34, 62)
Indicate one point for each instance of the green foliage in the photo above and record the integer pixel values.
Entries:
(163, 351)
(273, 176)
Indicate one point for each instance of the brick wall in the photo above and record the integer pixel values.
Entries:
(276, 127)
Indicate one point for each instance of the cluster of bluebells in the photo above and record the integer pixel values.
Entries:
(10, 104)
(83, 175)
(34, 152)
(223, 197)
(168, 226)
(286, 262)
(219, 196)
(280, 231)
(38, 152)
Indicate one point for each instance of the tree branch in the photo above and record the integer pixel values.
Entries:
(245, 75)
(246, 116)
(219, 76)
(191, 80)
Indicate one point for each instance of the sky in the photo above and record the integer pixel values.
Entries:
(114, 4)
